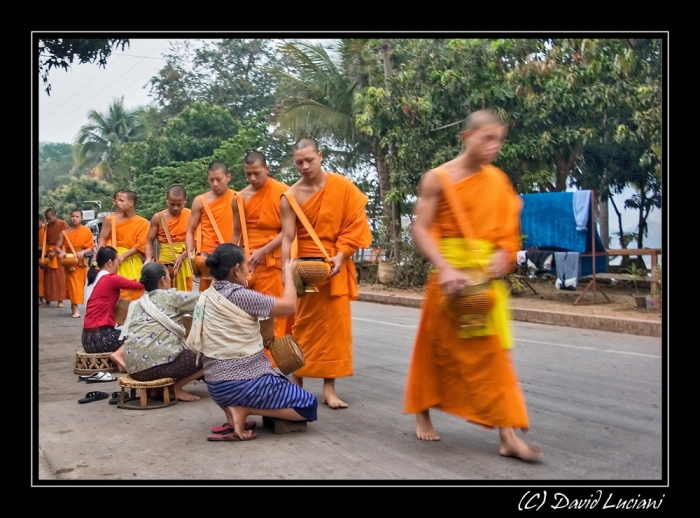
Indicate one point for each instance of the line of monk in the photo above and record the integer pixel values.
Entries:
(466, 225)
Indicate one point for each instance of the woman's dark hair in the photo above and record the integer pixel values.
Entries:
(104, 254)
(224, 257)
(151, 273)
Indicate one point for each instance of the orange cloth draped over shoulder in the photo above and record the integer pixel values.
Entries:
(131, 233)
(263, 223)
(41, 270)
(222, 213)
(177, 227)
(81, 238)
(54, 274)
(472, 378)
(322, 324)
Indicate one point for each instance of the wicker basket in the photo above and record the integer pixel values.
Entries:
(69, 262)
(267, 329)
(471, 306)
(171, 270)
(287, 354)
(120, 311)
(43, 261)
(313, 270)
(202, 268)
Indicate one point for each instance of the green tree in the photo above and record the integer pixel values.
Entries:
(100, 139)
(55, 164)
(62, 52)
(71, 195)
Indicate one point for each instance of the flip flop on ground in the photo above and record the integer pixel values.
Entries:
(101, 377)
(93, 396)
(230, 437)
(226, 428)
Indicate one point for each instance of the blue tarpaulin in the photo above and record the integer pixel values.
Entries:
(549, 221)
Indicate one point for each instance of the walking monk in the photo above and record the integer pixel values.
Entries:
(54, 276)
(42, 231)
(128, 238)
(260, 205)
(172, 251)
(213, 231)
(335, 208)
(79, 241)
(466, 226)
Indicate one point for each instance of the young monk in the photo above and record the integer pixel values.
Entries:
(80, 237)
(469, 374)
(335, 208)
(260, 202)
(218, 199)
(176, 216)
(40, 281)
(54, 275)
(131, 232)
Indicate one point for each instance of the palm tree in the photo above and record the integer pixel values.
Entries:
(317, 99)
(99, 140)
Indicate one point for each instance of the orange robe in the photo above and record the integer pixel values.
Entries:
(41, 270)
(131, 233)
(177, 227)
(322, 324)
(262, 216)
(221, 210)
(472, 378)
(54, 274)
(81, 238)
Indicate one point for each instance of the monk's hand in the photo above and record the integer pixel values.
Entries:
(452, 280)
(500, 264)
(337, 263)
(255, 257)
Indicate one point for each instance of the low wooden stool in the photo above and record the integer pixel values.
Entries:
(278, 426)
(91, 363)
(127, 382)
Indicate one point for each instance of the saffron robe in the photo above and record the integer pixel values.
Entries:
(131, 233)
(221, 210)
(322, 324)
(473, 378)
(41, 270)
(54, 274)
(177, 227)
(81, 238)
(263, 223)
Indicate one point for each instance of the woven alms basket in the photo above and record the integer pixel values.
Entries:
(312, 270)
(69, 262)
(287, 354)
(471, 305)
(267, 329)
(202, 268)
(120, 311)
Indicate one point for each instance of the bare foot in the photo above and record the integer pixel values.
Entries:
(239, 417)
(183, 395)
(334, 402)
(76, 315)
(513, 446)
(60, 305)
(424, 427)
(118, 360)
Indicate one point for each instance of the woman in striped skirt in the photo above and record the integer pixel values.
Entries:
(226, 333)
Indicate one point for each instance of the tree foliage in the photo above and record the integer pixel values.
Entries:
(71, 195)
(62, 52)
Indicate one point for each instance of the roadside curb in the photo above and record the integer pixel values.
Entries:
(558, 318)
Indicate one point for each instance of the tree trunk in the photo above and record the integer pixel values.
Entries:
(603, 218)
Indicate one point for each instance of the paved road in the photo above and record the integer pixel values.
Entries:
(594, 399)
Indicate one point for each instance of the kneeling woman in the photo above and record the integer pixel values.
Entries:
(100, 334)
(153, 333)
(226, 332)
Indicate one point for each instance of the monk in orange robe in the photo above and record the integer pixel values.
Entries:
(465, 372)
(40, 280)
(176, 217)
(130, 231)
(54, 276)
(78, 241)
(261, 212)
(218, 199)
(335, 209)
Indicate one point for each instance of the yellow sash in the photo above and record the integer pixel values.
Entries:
(477, 254)
(130, 268)
(166, 256)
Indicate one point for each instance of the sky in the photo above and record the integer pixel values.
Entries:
(86, 87)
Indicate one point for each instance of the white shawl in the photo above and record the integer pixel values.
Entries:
(90, 287)
(151, 310)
